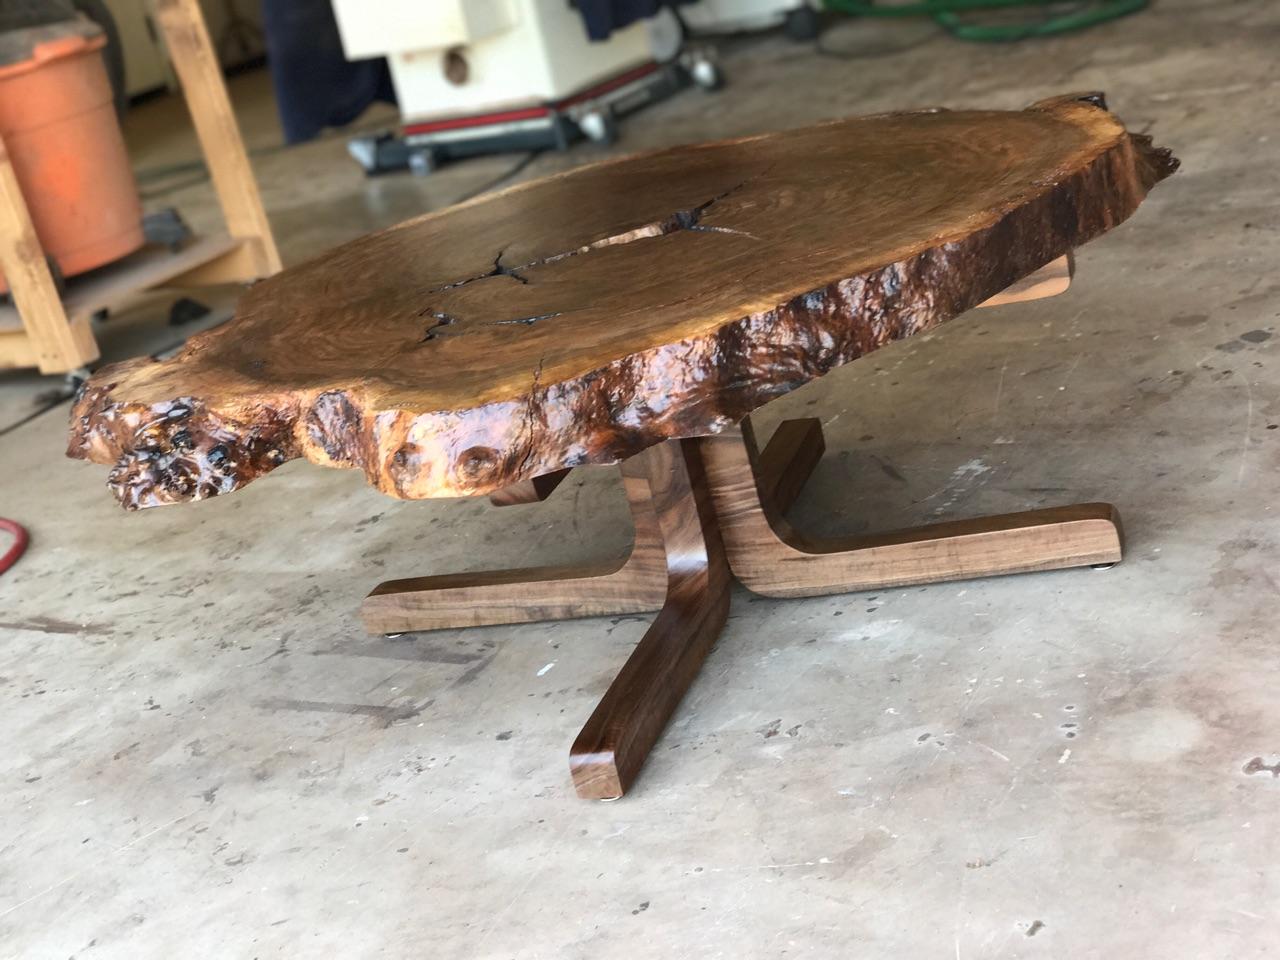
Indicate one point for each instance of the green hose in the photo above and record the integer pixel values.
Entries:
(947, 13)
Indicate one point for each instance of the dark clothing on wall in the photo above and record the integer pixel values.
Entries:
(602, 17)
(316, 86)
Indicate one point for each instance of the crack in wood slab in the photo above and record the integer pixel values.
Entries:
(498, 270)
(443, 320)
(686, 219)
(523, 321)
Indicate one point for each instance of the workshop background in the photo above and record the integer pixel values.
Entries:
(205, 755)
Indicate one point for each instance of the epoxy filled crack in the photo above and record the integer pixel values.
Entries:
(687, 219)
(522, 321)
(441, 318)
(499, 269)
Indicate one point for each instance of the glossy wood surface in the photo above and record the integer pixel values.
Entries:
(637, 585)
(584, 317)
(612, 747)
(801, 440)
(706, 510)
(771, 557)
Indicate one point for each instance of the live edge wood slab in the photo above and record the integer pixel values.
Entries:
(636, 312)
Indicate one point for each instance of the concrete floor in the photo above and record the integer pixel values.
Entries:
(206, 757)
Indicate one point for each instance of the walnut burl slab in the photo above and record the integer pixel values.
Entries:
(588, 316)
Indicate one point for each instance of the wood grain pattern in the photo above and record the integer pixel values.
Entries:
(637, 585)
(587, 316)
(771, 557)
(196, 64)
(617, 738)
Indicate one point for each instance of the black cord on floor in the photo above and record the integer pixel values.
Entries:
(502, 178)
(44, 408)
(825, 51)
(201, 172)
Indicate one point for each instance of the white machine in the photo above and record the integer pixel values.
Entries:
(480, 76)
(799, 17)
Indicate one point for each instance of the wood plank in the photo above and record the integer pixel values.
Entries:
(608, 753)
(113, 286)
(638, 585)
(200, 74)
(240, 264)
(771, 557)
(17, 350)
(50, 342)
(1049, 281)
(528, 491)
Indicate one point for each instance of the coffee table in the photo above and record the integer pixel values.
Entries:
(636, 312)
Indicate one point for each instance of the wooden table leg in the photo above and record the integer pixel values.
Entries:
(611, 748)
(529, 491)
(638, 585)
(770, 557)
(788, 459)
(707, 509)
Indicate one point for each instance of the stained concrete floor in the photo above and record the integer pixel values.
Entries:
(206, 757)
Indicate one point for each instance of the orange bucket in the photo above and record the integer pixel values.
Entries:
(59, 127)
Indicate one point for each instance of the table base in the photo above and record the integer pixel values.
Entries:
(707, 510)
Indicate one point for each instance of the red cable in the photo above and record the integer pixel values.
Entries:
(17, 548)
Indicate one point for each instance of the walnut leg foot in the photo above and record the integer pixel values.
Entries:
(613, 745)
(638, 585)
(772, 558)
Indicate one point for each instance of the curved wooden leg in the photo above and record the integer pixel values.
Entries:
(529, 491)
(611, 748)
(787, 461)
(772, 558)
(638, 585)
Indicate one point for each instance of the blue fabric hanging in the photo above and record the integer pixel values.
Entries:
(603, 17)
(316, 86)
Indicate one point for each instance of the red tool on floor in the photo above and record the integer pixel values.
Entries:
(17, 548)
